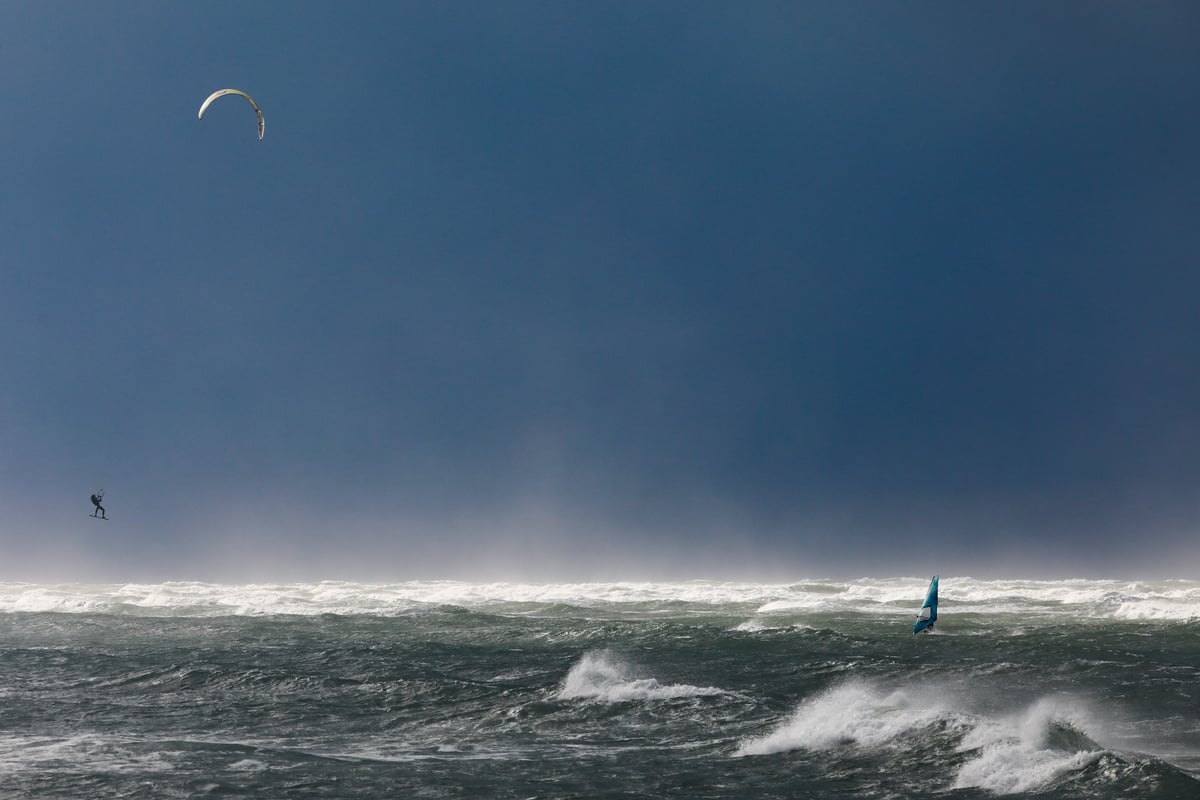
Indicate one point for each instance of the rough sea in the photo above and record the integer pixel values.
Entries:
(815, 689)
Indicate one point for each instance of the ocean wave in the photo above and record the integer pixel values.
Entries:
(763, 605)
(602, 677)
(1051, 740)
(65, 753)
(1030, 749)
(851, 714)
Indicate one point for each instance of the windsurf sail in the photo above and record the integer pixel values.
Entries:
(928, 614)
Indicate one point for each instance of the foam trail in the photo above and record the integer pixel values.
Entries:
(52, 754)
(600, 677)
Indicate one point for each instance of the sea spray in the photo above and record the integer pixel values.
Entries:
(603, 677)
(854, 713)
(446, 689)
(766, 604)
(1023, 751)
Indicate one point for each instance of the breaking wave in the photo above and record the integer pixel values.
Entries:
(852, 714)
(601, 677)
(1029, 749)
(764, 606)
(1007, 753)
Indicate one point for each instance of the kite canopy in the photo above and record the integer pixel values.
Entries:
(262, 123)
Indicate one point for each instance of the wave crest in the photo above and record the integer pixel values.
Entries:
(852, 714)
(601, 677)
(1003, 754)
(768, 605)
(1024, 751)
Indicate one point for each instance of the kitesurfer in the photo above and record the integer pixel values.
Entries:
(96, 498)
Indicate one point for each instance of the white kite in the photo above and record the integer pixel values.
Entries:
(262, 123)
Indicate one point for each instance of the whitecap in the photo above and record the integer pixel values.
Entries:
(850, 714)
(886, 597)
(601, 677)
(1025, 751)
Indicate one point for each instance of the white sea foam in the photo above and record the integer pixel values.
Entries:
(759, 626)
(851, 714)
(100, 754)
(1169, 602)
(602, 677)
(1009, 753)
(1018, 753)
(768, 605)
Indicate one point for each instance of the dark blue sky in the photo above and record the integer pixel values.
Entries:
(571, 290)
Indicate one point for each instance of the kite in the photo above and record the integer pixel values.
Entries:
(262, 123)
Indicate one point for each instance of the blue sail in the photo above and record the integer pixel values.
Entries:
(928, 614)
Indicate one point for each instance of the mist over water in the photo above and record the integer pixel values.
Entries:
(1032, 689)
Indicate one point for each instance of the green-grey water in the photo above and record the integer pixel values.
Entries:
(699, 690)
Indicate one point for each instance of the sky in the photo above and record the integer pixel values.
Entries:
(597, 291)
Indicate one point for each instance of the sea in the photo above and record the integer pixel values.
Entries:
(698, 689)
